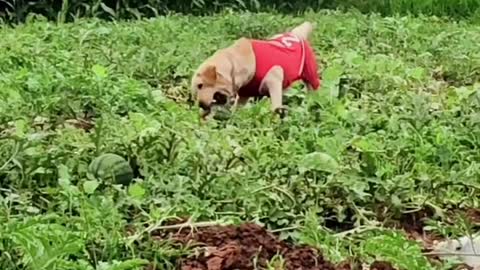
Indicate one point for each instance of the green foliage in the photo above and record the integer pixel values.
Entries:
(68, 10)
(394, 129)
(395, 248)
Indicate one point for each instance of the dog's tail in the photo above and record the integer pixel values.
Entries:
(304, 30)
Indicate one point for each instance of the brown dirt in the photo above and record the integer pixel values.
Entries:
(473, 215)
(232, 247)
(245, 247)
(250, 246)
(381, 265)
(85, 124)
(413, 224)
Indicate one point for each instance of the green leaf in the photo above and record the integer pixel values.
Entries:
(90, 186)
(100, 71)
(63, 175)
(158, 96)
(353, 58)
(464, 92)
(417, 73)
(136, 191)
(396, 248)
(124, 265)
(20, 127)
(33, 210)
(318, 161)
(331, 79)
(396, 201)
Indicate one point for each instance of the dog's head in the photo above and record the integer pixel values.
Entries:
(212, 88)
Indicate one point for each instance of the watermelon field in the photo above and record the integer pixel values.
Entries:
(366, 173)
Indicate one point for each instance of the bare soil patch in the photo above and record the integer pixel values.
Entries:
(249, 246)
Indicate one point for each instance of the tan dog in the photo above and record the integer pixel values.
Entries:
(255, 68)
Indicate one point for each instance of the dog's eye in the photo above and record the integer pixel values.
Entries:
(199, 86)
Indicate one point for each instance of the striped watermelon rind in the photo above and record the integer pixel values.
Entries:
(111, 167)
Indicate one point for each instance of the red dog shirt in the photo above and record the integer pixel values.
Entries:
(294, 55)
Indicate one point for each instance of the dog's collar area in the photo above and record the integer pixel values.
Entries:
(232, 76)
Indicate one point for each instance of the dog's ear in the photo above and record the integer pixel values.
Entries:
(210, 74)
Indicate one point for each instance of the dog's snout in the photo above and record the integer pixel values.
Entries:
(205, 106)
(220, 98)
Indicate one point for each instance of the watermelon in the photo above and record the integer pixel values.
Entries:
(111, 167)
(222, 115)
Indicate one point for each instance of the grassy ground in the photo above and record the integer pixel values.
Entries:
(393, 133)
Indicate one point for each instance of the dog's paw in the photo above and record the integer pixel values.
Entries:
(281, 111)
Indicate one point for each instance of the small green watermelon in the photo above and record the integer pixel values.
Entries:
(222, 115)
(112, 167)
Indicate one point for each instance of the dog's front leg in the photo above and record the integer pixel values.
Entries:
(273, 82)
(240, 101)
